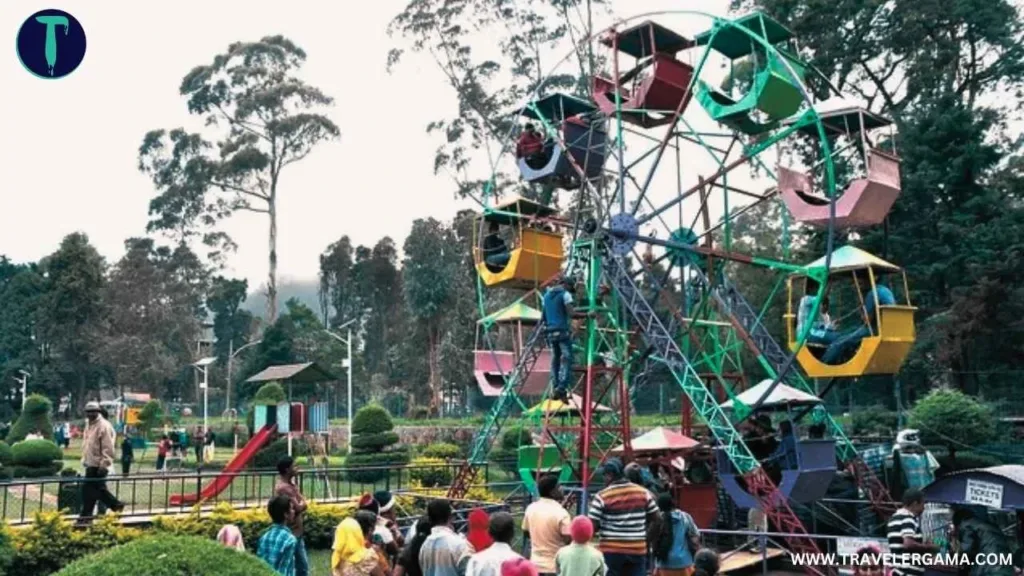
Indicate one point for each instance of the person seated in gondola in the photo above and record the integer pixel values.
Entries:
(822, 331)
(785, 454)
(496, 254)
(845, 345)
(531, 147)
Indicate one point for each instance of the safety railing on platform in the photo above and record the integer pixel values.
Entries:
(149, 494)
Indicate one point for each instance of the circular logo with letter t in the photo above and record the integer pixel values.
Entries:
(51, 44)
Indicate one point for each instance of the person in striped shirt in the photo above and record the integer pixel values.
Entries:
(904, 534)
(622, 514)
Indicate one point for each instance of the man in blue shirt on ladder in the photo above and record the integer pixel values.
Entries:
(557, 310)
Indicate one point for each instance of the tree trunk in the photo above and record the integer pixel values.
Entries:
(434, 366)
(272, 269)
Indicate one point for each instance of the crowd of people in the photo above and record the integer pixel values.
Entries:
(631, 526)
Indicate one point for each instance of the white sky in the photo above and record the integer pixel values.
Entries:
(70, 146)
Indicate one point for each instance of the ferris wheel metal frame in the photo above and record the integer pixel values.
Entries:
(606, 229)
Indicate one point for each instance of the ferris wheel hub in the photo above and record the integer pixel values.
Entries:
(624, 230)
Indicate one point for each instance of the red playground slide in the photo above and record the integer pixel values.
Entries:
(224, 479)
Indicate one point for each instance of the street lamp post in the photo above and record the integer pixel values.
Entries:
(348, 365)
(231, 360)
(24, 385)
(203, 366)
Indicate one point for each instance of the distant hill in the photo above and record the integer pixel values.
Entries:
(287, 288)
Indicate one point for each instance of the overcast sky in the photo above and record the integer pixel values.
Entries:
(69, 147)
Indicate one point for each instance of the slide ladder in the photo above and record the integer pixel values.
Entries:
(666, 350)
(499, 413)
(757, 337)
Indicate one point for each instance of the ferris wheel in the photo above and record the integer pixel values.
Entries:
(631, 197)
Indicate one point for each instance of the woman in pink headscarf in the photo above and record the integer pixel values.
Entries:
(231, 537)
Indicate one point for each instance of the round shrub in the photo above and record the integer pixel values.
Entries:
(431, 472)
(35, 453)
(169, 556)
(372, 419)
(6, 550)
(442, 450)
(270, 394)
(35, 417)
(374, 441)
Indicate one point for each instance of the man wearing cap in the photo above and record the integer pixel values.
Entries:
(97, 458)
(622, 514)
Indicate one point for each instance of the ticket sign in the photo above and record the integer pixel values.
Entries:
(984, 494)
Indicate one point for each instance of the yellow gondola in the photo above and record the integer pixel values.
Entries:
(535, 254)
(891, 336)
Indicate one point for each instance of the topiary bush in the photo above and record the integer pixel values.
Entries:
(431, 472)
(373, 440)
(167, 556)
(151, 416)
(442, 450)
(35, 459)
(6, 459)
(270, 394)
(36, 416)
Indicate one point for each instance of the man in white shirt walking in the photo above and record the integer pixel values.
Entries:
(502, 528)
(97, 458)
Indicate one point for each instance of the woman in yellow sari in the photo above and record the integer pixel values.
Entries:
(351, 555)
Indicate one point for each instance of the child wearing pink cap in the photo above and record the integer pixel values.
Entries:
(580, 558)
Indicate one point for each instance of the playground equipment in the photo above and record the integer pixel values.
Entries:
(679, 456)
(490, 365)
(889, 334)
(236, 465)
(815, 458)
(534, 255)
(867, 200)
(575, 140)
(653, 253)
(775, 91)
(661, 92)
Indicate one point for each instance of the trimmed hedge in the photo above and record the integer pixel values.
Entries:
(431, 476)
(442, 450)
(380, 460)
(374, 441)
(35, 416)
(170, 556)
(44, 471)
(271, 393)
(35, 453)
(6, 454)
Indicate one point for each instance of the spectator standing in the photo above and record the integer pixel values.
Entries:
(622, 514)
(444, 553)
(408, 563)
(546, 524)
(479, 533)
(285, 486)
(502, 528)
(127, 454)
(162, 448)
(706, 563)
(904, 535)
(580, 558)
(678, 540)
(277, 544)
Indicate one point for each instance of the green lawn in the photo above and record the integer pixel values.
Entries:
(320, 562)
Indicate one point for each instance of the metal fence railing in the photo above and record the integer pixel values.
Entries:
(151, 494)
